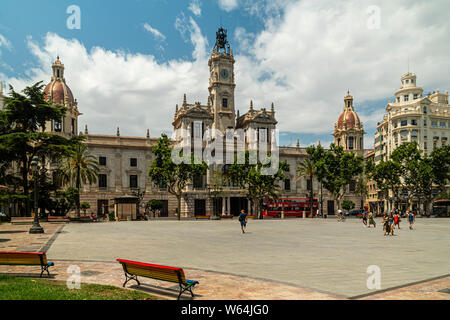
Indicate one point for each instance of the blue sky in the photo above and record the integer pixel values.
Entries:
(137, 58)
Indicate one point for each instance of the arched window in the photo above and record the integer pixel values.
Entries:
(350, 143)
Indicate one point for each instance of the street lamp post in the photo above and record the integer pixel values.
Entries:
(213, 190)
(36, 228)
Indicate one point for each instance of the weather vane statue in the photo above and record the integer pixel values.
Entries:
(221, 41)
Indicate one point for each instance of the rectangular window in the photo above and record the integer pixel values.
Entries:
(308, 184)
(406, 98)
(442, 124)
(352, 186)
(224, 103)
(102, 181)
(425, 122)
(133, 181)
(73, 126)
(350, 143)
(415, 96)
(434, 124)
(395, 124)
(58, 126)
(102, 161)
(424, 109)
(404, 123)
(425, 133)
(262, 135)
(414, 122)
(198, 129)
(133, 162)
(287, 184)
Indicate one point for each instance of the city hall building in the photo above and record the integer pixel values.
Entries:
(124, 161)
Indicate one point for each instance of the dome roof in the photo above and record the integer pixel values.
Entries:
(350, 118)
(58, 91)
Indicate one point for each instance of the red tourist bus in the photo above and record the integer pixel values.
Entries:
(292, 207)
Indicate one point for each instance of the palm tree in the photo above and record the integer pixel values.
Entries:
(307, 169)
(80, 167)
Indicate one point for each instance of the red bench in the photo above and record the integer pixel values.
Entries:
(57, 219)
(133, 269)
(26, 259)
(22, 220)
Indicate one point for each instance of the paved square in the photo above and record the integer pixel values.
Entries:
(322, 255)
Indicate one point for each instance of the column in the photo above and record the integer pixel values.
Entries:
(249, 206)
(228, 205)
(223, 206)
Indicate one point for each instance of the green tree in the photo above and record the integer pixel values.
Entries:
(79, 167)
(84, 206)
(163, 170)
(337, 170)
(348, 205)
(307, 168)
(250, 176)
(387, 175)
(317, 155)
(23, 136)
(433, 175)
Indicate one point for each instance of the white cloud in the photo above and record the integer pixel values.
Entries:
(228, 5)
(195, 7)
(307, 58)
(155, 32)
(113, 88)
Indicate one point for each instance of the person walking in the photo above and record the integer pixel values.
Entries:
(397, 220)
(411, 219)
(243, 220)
(385, 224)
(340, 215)
(364, 218)
(391, 224)
(371, 220)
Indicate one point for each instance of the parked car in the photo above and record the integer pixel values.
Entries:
(355, 212)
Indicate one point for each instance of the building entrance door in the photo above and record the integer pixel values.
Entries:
(330, 207)
(237, 204)
(102, 208)
(200, 207)
(164, 212)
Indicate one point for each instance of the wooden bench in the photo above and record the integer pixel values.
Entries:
(86, 219)
(202, 217)
(22, 220)
(133, 269)
(57, 219)
(26, 259)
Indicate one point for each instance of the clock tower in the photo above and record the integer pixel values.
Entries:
(221, 83)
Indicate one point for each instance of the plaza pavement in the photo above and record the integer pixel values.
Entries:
(275, 259)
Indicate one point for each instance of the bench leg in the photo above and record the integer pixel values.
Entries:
(183, 289)
(129, 277)
(44, 268)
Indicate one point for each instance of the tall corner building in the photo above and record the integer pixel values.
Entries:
(413, 116)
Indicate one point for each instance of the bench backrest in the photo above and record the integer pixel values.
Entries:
(165, 273)
(23, 258)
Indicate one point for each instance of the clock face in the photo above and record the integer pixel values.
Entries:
(224, 73)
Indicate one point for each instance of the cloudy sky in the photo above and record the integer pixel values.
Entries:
(129, 62)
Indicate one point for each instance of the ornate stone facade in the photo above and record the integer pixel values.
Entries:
(124, 161)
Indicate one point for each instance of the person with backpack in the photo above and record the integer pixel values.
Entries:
(243, 220)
